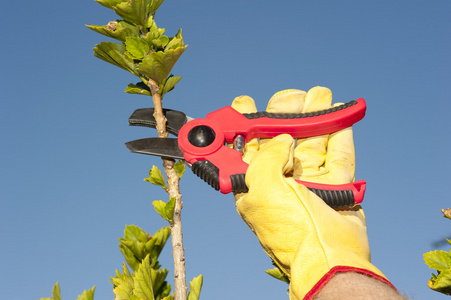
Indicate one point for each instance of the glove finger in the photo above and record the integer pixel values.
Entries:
(340, 161)
(340, 158)
(285, 101)
(339, 164)
(318, 98)
(265, 180)
(271, 206)
(268, 167)
(245, 104)
(310, 153)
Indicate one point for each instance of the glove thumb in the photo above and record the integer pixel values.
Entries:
(268, 166)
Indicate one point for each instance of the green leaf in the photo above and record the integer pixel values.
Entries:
(169, 209)
(121, 25)
(179, 34)
(195, 286)
(139, 89)
(155, 36)
(56, 293)
(133, 245)
(443, 280)
(137, 249)
(168, 298)
(278, 274)
(179, 168)
(142, 285)
(110, 3)
(136, 48)
(122, 283)
(160, 206)
(169, 86)
(134, 233)
(163, 292)
(158, 279)
(129, 252)
(160, 43)
(156, 177)
(154, 5)
(153, 32)
(133, 11)
(137, 244)
(438, 259)
(144, 250)
(116, 30)
(174, 43)
(166, 210)
(156, 243)
(113, 53)
(87, 295)
(441, 283)
(158, 65)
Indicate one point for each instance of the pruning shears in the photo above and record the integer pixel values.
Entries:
(202, 143)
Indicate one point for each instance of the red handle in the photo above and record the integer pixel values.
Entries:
(226, 123)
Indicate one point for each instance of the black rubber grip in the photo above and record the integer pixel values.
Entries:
(208, 172)
(333, 198)
(238, 183)
(265, 114)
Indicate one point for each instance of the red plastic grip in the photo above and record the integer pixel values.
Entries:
(227, 123)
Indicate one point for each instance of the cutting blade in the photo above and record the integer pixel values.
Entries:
(145, 117)
(164, 147)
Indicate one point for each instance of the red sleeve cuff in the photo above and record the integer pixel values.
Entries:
(320, 284)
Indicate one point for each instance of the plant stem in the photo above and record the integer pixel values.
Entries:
(178, 252)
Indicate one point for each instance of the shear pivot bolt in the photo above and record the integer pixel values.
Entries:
(201, 136)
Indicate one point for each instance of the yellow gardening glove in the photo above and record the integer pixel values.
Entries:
(305, 237)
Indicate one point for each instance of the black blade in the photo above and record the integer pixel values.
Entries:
(144, 117)
(164, 147)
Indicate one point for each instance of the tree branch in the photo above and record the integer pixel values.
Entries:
(178, 252)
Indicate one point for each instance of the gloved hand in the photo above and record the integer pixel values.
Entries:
(306, 238)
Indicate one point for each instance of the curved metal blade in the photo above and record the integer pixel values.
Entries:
(144, 117)
(164, 147)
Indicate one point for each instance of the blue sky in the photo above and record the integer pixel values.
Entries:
(68, 185)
